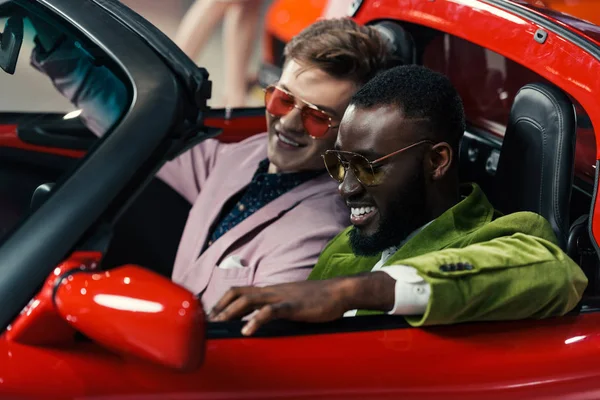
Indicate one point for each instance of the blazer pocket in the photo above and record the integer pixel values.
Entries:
(241, 276)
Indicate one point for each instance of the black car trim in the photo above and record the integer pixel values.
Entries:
(28, 256)
(367, 323)
(18, 117)
(583, 186)
(591, 218)
(235, 113)
(67, 134)
(36, 159)
(59, 280)
(232, 329)
(195, 79)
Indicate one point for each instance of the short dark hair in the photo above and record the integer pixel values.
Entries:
(420, 93)
(342, 48)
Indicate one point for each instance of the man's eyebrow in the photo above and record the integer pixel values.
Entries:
(368, 154)
(328, 110)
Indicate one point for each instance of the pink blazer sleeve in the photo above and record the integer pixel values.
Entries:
(187, 173)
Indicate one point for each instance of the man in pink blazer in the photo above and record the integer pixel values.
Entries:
(263, 209)
(279, 242)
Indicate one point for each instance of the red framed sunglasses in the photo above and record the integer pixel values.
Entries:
(279, 102)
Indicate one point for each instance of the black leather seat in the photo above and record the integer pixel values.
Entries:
(535, 170)
(581, 250)
(404, 50)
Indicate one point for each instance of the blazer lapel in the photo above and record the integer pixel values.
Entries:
(214, 254)
(226, 190)
(466, 216)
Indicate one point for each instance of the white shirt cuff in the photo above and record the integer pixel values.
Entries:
(412, 292)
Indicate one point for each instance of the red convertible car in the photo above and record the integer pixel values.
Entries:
(88, 235)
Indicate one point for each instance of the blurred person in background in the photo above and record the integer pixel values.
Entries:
(240, 25)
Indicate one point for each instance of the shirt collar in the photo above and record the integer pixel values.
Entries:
(390, 251)
(387, 253)
(302, 176)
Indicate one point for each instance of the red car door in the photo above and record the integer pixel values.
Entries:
(362, 357)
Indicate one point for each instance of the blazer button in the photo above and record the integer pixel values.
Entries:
(444, 268)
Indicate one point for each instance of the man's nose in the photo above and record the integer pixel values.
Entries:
(292, 121)
(350, 186)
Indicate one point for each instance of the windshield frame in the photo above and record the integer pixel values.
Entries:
(50, 233)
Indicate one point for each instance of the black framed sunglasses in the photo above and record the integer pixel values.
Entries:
(339, 162)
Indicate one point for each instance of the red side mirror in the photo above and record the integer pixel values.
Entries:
(135, 311)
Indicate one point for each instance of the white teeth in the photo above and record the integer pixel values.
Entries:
(287, 140)
(361, 210)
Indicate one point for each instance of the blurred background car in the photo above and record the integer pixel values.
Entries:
(284, 20)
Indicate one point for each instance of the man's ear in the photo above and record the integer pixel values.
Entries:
(440, 158)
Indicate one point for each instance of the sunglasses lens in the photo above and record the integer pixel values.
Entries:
(362, 170)
(277, 102)
(315, 122)
(359, 165)
(334, 166)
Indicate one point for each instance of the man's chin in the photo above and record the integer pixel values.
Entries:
(371, 244)
(364, 245)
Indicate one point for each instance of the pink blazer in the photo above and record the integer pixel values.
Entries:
(279, 243)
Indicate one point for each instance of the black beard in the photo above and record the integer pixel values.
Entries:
(406, 214)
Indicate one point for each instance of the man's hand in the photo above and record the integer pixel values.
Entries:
(309, 301)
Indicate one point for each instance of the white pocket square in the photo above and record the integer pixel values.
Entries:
(231, 262)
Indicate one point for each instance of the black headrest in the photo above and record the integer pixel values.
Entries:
(401, 42)
(535, 170)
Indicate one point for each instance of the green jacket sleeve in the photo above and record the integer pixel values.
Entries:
(506, 278)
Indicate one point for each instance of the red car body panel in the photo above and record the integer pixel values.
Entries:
(553, 10)
(551, 359)
(554, 358)
(288, 17)
(238, 128)
(10, 139)
(576, 75)
(234, 130)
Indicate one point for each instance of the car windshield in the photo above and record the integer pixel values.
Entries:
(46, 123)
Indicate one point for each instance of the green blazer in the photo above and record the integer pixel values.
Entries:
(481, 265)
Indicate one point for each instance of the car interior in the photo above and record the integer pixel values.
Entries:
(529, 168)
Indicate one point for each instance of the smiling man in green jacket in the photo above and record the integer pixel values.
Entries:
(421, 245)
